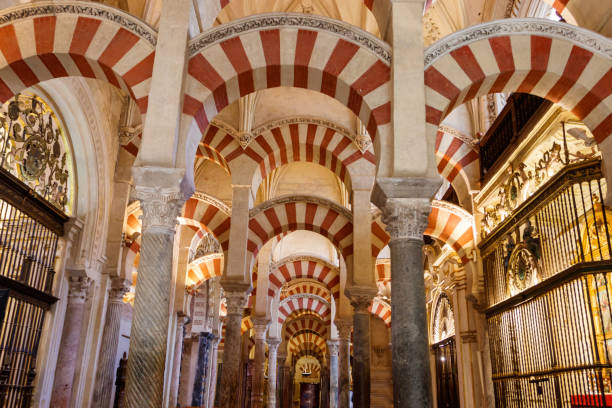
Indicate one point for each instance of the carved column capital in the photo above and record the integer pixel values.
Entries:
(119, 287)
(260, 324)
(344, 326)
(406, 218)
(273, 344)
(235, 301)
(159, 191)
(78, 289)
(333, 346)
(360, 298)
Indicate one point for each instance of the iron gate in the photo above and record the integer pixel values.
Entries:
(447, 389)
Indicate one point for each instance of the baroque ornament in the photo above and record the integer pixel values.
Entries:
(406, 218)
(34, 148)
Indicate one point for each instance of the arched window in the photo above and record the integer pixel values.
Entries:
(444, 320)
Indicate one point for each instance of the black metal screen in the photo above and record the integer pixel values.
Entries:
(447, 390)
(27, 258)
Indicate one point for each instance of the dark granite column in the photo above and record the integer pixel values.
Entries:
(361, 298)
(333, 346)
(105, 375)
(229, 392)
(406, 219)
(197, 398)
(344, 362)
(158, 190)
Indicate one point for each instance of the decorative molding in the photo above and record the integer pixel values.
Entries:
(300, 199)
(215, 202)
(293, 20)
(470, 141)
(128, 133)
(305, 296)
(406, 218)
(455, 209)
(142, 29)
(527, 26)
(304, 258)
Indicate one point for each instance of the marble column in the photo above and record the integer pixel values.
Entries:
(281, 380)
(259, 365)
(361, 300)
(71, 339)
(333, 346)
(273, 344)
(212, 377)
(344, 362)
(161, 202)
(406, 220)
(181, 319)
(205, 342)
(107, 361)
(236, 296)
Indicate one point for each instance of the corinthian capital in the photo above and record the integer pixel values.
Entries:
(236, 296)
(159, 191)
(406, 218)
(78, 288)
(119, 287)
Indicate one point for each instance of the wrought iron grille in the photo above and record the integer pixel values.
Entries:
(447, 390)
(563, 224)
(29, 231)
(555, 349)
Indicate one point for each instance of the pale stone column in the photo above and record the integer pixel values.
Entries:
(211, 388)
(333, 346)
(161, 202)
(281, 362)
(344, 361)
(68, 355)
(178, 354)
(361, 300)
(105, 376)
(236, 295)
(204, 346)
(257, 392)
(273, 344)
(406, 220)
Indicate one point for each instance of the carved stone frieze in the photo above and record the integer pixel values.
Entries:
(406, 218)
(82, 9)
(295, 20)
(587, 39)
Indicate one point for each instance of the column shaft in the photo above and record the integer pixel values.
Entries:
(212, 383)
(257, 392)
(406, 220)
(230, 375)
(197, 398)
(71, 340)
(333, 346)
(150, 319)
(178, 354)
(361, 353)
(344, 362)
(105, 375)
(272, 375)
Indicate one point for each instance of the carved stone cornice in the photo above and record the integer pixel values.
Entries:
(78, 289)
(81, 8)
(527, 26)
(119, 287)
(291, 20)
(333, 347)
(406, 218)
(300, 199)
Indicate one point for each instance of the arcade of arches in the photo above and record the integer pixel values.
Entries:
(305, 203)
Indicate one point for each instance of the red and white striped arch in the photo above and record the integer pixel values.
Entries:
(208, 153)
(204, 214)
(452, 225)
(381, 309)
(246, 324)
(308, 287)
(294, 326)
(264, 51)
(380, 237)
(41, 42)
(300, 213)
(308, 303)
(296, 343)
(304, 268)
(203, 269)
(455, 157)
(383, 270)
(562, 63)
